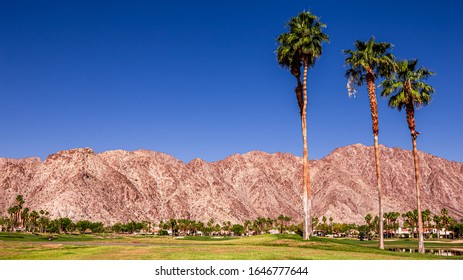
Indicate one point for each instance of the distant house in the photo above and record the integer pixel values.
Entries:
(403, 232)
(156, 230)
(427, 232)
(339, 234)
(443, 233)
(352, 233)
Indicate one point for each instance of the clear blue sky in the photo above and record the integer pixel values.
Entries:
(200, 78)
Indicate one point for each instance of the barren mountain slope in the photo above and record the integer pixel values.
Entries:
(144, 185)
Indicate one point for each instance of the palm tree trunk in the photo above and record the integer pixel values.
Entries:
(307, 197)
(374, 119)
(417, 183)
(411, 124)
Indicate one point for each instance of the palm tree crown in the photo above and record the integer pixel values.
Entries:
(371, 58)
(303, 41)
(301, 46)
(407, 87)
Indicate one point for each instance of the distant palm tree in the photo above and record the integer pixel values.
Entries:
(300, 47)
(18, 209)
(375, 224)
(368, 61)
(12, 211)
(387, 217)
(394, 216)
(437, 223)
(281, 218)
(426, 214)
(34, 217)
(315, 222)
(445, 219)
(25, 217)
(269, 224)
(4, 221)
(173, 226)
(407, 90)
(410, 220)
(20, 200)
(368, 219)
(247, 223)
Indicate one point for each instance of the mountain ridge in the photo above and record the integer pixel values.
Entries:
(118, 185)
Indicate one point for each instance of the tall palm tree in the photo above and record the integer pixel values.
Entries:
(366, 63)
(300, 47)
(407, 90)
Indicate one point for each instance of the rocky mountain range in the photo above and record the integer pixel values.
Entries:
(119, 186)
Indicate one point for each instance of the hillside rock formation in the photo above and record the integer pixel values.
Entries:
(119, 186)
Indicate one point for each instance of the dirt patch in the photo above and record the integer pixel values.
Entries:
(52, 246)
(458, 241)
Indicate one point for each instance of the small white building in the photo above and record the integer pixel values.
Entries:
(403, 232)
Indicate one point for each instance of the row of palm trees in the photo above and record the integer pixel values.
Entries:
(27, 219)
(258, 225)
(410, 220)
(403, 82)
(281, 224)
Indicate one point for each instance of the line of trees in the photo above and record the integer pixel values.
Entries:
(20, 218)
(403, 82)
(410, 220)
(257, 226)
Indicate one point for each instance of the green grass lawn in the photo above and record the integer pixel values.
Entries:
(18, 246)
